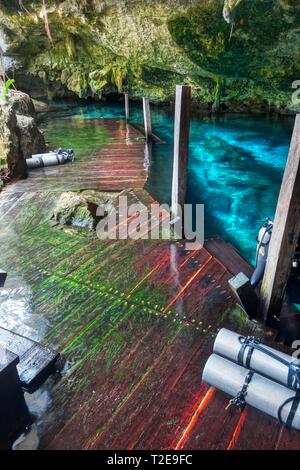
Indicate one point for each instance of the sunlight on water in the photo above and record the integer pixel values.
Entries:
(235, 166)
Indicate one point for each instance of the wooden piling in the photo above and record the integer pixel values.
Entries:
(245, 294)
(147, 118)
(181, 147)
(126, 95)
(3, 275)
(14, 414)
(285, 234)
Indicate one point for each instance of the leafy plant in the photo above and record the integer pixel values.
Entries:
(7, 85)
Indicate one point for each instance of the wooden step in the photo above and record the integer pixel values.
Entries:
(36, 361)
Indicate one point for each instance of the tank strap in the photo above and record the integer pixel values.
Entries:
(294, 376)
(41, 161)
(240, 399)
(251, 343)
(247, 342)
(294, 408)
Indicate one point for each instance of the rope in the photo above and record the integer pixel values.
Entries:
(252, 343)
(296, 400)
(239, 401)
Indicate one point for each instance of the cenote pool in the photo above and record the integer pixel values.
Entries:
(235, 167)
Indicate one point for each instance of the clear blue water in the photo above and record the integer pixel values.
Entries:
(236, 165)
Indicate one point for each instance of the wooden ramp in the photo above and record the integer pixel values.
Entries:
(135, 321)
(120, 163)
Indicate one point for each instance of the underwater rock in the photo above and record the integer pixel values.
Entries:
(74, 209)
(31, 139)
(11, 157)
(40, 106)
(97, 197)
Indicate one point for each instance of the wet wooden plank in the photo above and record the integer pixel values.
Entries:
(119, 164)
(135, 319)
(228, 256)
(35, 360)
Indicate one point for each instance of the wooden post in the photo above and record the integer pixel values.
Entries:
(126, 95)
(181, 147)
(285, 234)
(245, 294)
(147, 118)
(3, 276)
(14, 414)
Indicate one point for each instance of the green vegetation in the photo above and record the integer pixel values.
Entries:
(5, 90)
(229, 50)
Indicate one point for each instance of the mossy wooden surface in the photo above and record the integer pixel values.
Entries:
(134, 319)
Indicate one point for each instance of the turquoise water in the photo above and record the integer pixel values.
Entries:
(236, 165)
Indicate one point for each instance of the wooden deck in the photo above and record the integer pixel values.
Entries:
(118, 164)
(135, 321)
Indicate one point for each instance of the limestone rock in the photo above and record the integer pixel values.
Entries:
(74, 209)
(22, 103)
(40, 106)
(31, 139)
(98, 197)
(11, 157)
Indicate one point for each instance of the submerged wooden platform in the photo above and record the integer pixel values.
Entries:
(119, 163)
(135, 321)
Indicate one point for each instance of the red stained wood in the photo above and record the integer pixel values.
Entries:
(135, 318)
(119, 164)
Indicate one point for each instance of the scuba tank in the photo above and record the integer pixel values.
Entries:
(248, 352)
(249, 387)
(263, 242)
(255, 374)
(58, 157)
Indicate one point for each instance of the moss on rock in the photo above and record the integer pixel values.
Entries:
(146, 47)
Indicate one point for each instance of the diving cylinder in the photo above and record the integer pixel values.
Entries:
(46, 159)
(50, 159)
(228, 344)
(262, 393)
(263, 239)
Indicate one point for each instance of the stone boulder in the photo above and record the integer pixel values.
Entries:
(22, 103)
(31, 139)
(73, 209)
(19, 135)
(40, 106)
(12, 160)
(79, 209)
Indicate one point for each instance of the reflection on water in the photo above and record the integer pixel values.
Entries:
(16, 312)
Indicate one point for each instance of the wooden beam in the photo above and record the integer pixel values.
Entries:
(3, 275)
(14, 414)
(285, 234)
(245, 294)
(126, 95)
(147, 118)
(181, 147)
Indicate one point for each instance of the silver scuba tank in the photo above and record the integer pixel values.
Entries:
(263, 241)
(250, 353)
(248, 387)
(58, 157)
